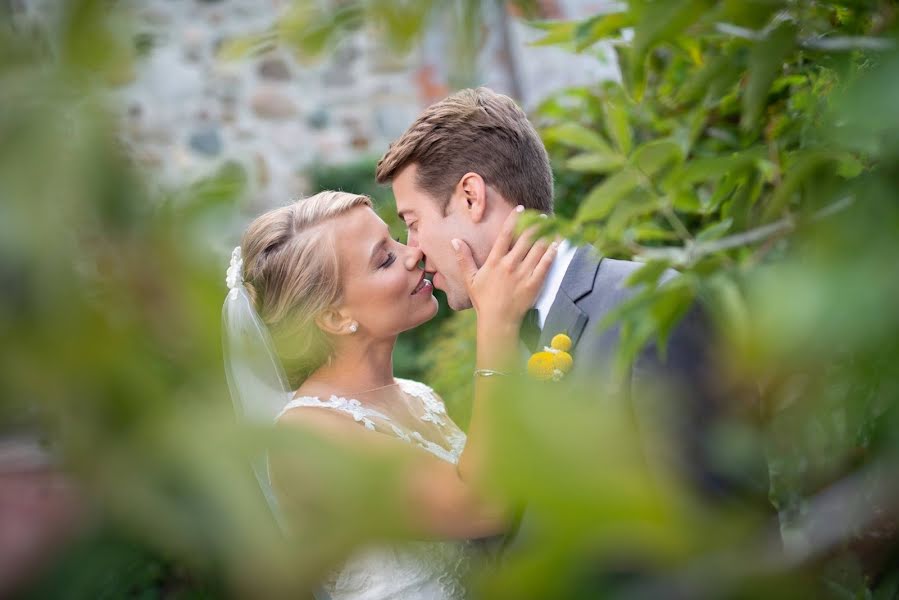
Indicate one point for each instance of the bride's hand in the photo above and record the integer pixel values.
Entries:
(507, 284)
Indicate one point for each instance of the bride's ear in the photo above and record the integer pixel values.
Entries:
(472, 189)
(332, 321)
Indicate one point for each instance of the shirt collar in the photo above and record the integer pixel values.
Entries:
(553, 280)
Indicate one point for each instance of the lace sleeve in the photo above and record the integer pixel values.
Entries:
(352, 407)
(434, 409)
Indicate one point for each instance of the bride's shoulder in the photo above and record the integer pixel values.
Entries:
(335, 409)
(314, 409)
(424, 392)
(416, 388)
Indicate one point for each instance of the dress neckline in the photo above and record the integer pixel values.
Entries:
(434, 412)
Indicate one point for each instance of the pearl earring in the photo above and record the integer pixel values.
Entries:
(354, 327)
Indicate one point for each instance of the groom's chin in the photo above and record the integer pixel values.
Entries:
(458, 301)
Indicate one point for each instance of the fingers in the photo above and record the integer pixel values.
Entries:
(506, 235)
(467, 266)
(535, 253)
(538, 276)
(522, 246)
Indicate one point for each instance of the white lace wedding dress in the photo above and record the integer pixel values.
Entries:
(411, 570)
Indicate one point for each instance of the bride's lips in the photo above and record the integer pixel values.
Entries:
(423, 286)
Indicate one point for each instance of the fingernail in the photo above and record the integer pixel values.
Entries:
(455, 244)
(519, 208)
(554, 245)
(544, 216)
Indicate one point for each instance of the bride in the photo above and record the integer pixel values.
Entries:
(329, 291)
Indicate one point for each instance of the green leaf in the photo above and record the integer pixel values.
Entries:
(687, 202)
(557, 32)
(637, 203)
(782, 83)
(595, 162)
(403, 22)
(669, 307)
(765, 65)
(723, 191)
(661, 21)
(715, 77)
(849, 166)
(547, 24)
(225, 186)
(577, 136)
(714, 231)
(635, 335)
(243, 46)
(91, 42)
(742, 201)
(602, 198)
(648, 273)
(651, 232)
(312, 29)
(654, 156)
(618, 125)
(730, 310)
(804, 167)
(591, 30)
(714, 167)
(633, 71)
(752, 15)
(629, 309)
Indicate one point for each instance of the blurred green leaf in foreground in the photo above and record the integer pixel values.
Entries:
(753, 146)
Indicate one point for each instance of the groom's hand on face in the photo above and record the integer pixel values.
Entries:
(510, 279)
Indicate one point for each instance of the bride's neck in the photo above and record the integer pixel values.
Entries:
(358, 366)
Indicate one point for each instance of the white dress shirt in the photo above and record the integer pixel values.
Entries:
(554, 280)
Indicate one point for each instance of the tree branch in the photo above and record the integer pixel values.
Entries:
(691, 252)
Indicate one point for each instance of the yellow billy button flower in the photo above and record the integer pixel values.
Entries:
(540, 366)
(561, 342)
(563, 361)
(553, 362)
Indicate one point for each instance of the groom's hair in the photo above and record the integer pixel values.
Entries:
(479, 131)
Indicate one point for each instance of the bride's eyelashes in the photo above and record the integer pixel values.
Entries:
(391, 257)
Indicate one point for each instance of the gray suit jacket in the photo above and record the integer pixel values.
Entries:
(591, 288)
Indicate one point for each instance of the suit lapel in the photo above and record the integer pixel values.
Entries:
(565, 316)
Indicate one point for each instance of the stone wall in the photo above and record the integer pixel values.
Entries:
(187, 110)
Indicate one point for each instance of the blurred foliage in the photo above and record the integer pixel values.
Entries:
(752, 145)
(314, 28)
(742, 148)
(105, 566)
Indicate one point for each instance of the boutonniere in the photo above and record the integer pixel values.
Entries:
(554, 361)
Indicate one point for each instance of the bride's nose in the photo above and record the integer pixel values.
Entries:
(412, 258)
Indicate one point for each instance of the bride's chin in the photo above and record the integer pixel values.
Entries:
(424, 316)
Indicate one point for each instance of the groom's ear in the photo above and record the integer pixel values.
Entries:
(473, 191)
(333, 322)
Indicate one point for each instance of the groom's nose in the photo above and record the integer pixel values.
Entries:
(414, 258)
(428, 265)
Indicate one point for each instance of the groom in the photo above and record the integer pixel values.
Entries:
(456, 173)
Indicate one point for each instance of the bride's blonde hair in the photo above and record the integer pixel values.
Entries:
(292, 273)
